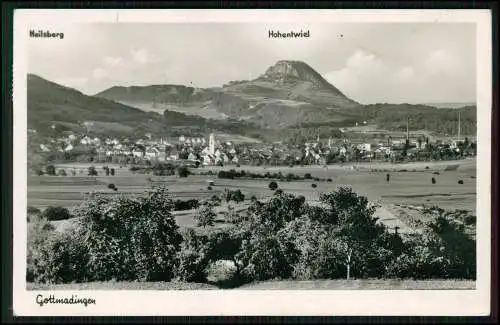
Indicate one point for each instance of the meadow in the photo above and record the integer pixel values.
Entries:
(409, 184)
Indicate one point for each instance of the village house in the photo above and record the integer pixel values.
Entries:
(152, 153)
(138, 152)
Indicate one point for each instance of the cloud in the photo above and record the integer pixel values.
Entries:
(141, 55)
(368, 78)
(405, 74)
(99, 73)
(441, 62)
(113, 61)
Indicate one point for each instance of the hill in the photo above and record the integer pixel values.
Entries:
(287, 92)
(442, 121)
(53, 108)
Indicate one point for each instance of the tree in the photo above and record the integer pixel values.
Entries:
(236, 196)
(129, 238)
(359, 235)
(205, 216)
(273, 186)
(183, 171)
(92, 171)
(50, 170)
(52, 213)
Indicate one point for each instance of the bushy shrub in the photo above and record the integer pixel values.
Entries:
(470, 220)
(205, 216)
(50, 170)
(39, 230)
(111, 186)
(193, 257)
(180, 205)
(433, 180)
(236, 196)
(130, 238)
(183, 171)
(92, 171)
(273, 186)
(314, 185)
(209, 188)
(52, 213)
(307, 176)
(58, 258)
(460, 181)
(329, 180)
(33, 210)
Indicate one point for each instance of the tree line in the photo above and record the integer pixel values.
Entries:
(137, 239)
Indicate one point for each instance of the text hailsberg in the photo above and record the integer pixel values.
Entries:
(45, 34)
(291, 34)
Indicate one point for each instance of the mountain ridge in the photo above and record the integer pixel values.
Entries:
(274, 99)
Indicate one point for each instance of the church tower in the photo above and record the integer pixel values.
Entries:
(211, 144)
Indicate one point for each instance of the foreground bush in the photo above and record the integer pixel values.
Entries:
(124, 239)
(56, 213)
(39, 231)
(58, 258)
(130, 238)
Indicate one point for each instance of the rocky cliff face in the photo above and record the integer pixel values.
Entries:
(296, 71)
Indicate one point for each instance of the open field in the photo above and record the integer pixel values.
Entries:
(369, 284)
(412, 188)
(405, 187)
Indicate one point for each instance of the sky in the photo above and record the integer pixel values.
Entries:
(368, 62)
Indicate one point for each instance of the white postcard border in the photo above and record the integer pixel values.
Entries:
(255, 302)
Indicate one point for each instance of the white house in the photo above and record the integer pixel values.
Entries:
(138, 153)
(152, 152)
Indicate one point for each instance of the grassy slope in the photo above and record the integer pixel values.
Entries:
(52, 104)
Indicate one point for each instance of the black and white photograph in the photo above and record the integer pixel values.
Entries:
(224, 162)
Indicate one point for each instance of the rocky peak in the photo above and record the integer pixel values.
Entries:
(289, 71)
